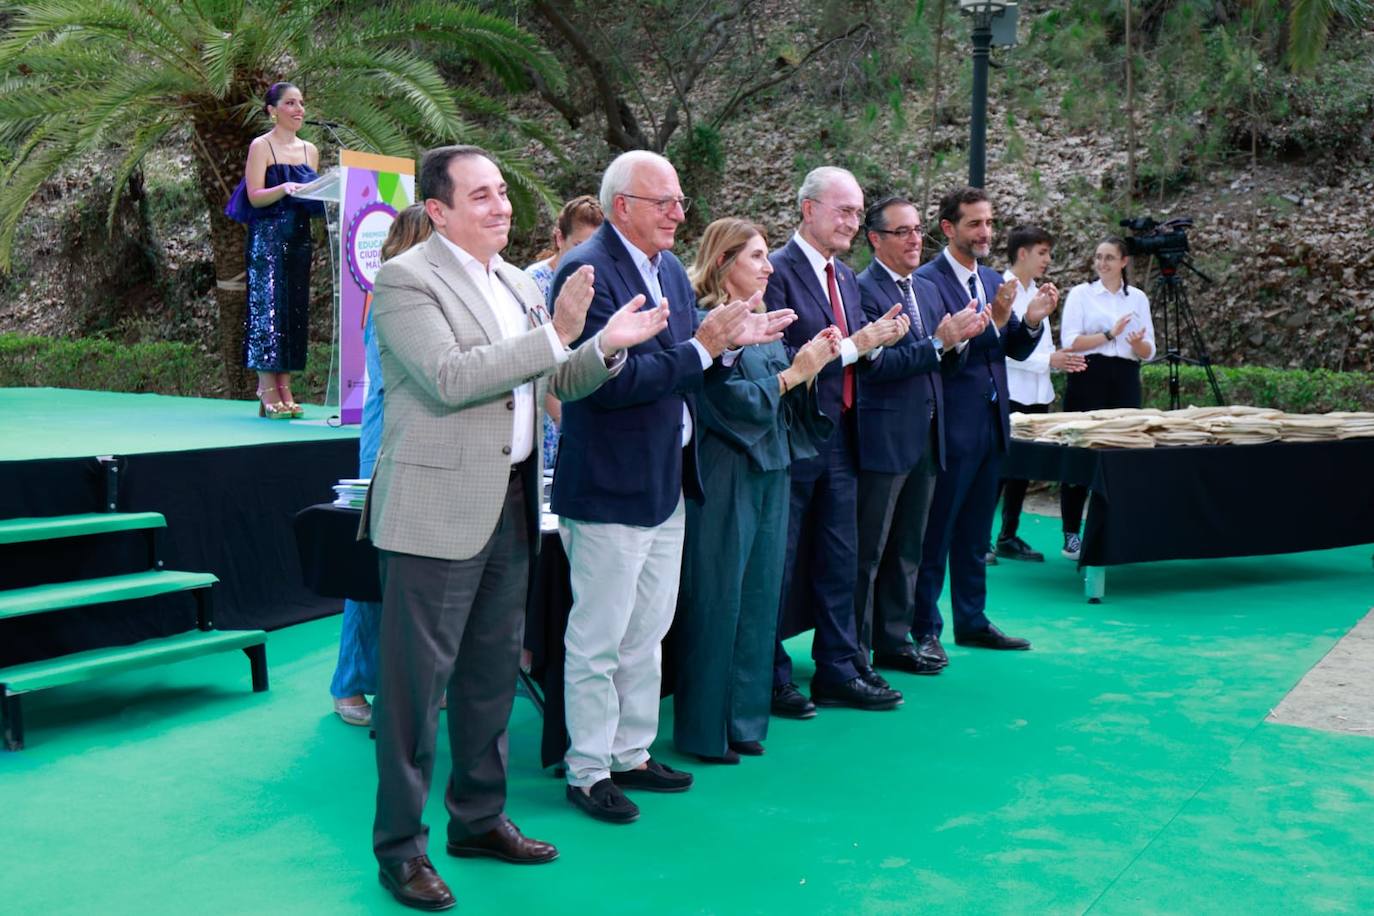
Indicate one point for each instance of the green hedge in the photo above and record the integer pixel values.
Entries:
(104, 365)
(1291, 390)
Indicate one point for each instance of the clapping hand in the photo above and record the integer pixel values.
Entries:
(1121, 324)
(888, 329)
(963, 325)
(570, 308)
(1068, 361)
(1138, 343)
(1001, 304)
(629, 326)
(1042, 305)
(759, 326)
(720, 326)
(816, 353)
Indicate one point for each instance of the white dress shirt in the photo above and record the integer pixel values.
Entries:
(512, 321)
(1028, 380)
(849, 354)
(648, 269)
(1091, 309)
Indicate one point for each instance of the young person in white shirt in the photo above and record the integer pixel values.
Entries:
(1028, 381)
(1108, 321)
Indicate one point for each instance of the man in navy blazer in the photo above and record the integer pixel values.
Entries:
(901, 442)
(811, 281)
(977, 428)
(626, 462)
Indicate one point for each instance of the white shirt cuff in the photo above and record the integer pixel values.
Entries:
(729, 356)
(560, 352)
(704, 353)
(615, 363)
(849, 354)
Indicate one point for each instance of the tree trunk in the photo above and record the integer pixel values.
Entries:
(221, 147)
(934, 106)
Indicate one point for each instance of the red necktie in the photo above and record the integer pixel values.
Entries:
(837, 308)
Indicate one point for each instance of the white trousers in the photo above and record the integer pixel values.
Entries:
(624, 586)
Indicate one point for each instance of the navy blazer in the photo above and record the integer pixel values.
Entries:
(967, 391)
(620, 458)
(794, 286)
(907, 385)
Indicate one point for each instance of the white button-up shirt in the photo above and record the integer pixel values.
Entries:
(849, 354)
(1091, 309)
(512, 321)
(1028, 380)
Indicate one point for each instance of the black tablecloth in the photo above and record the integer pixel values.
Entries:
(1202, 502)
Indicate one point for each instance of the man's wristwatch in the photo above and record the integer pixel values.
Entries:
(1108, 334)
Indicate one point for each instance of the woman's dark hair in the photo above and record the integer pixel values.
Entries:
(275, 92)
(1120, 244)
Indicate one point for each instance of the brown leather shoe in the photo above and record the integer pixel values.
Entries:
(504, 842)
(415, 883)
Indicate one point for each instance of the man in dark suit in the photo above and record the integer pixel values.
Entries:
(901, 440)
(811, 281)
(468, 354)
(626, 462)
(977, 428)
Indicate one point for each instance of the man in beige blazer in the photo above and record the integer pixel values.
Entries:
(468, 352)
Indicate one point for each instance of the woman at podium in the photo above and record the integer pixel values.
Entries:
(278, 251)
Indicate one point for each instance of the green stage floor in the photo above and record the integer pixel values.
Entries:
(71, 423)
(1123, 766)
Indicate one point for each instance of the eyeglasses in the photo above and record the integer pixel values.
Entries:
(664, 204)
(901, 232)
(847, 213)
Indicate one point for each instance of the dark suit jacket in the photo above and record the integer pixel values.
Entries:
(966, 391)
(898, 398)
(621, 458)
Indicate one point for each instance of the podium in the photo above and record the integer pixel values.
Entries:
(362, 196)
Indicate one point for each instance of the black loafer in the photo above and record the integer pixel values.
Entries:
(1013, 548)
(929, 647)
(747, 748)
(790, 703)
(655, 777)
(873, 678)
(991, 638)
(605, 802)
(856, 693)
(909, 660)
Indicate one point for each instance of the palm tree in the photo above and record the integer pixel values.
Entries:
(1309, 25)
(78, 76)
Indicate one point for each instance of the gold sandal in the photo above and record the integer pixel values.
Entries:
(277, 411)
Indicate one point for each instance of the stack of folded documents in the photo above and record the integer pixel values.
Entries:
(1303, 427)
(1250, 429)
(351, 493)
(1354, 425)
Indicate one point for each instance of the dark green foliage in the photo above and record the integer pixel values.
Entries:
(1289, 390)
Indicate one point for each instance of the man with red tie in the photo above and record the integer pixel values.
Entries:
(810, 280)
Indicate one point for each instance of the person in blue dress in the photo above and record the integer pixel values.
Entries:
(355, 675)
(576, 222)
(278, 251)
(753, 426)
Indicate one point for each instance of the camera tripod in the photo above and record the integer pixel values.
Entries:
(1171, 295)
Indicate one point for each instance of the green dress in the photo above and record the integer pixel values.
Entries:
(733, 556)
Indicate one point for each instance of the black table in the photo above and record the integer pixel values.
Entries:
(1205, 502)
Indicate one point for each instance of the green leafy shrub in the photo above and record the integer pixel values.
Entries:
(1290, 390)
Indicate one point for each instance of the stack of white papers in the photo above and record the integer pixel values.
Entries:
(351, 492)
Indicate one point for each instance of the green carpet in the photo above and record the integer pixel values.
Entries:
(72, 423)
(1123, 766)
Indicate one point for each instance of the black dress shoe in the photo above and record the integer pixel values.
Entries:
(855, 692)
(1013, 548)
(790, 703)
(604, 802)
(873, 678)
(929, 647)
(504, 842)
(747, 748)
(729, 758)
(909, 660)
(655, 777)
(991, 638)
(415, 883)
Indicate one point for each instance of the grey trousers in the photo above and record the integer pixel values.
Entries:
(455, 624)
(893, 510)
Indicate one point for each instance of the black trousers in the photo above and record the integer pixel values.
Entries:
(1109, 381)
(1013, 490)
(455, 624)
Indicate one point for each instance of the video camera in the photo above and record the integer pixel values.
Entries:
(1168, 240)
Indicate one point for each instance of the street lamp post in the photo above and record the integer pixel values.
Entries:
(982, 13)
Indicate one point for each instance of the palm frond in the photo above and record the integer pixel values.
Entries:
(147, 137)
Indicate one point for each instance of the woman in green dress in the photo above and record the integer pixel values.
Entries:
(752, 427)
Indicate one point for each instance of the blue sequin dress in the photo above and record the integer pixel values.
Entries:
(277, 259)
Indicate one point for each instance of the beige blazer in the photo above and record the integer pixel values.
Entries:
(444, 465)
